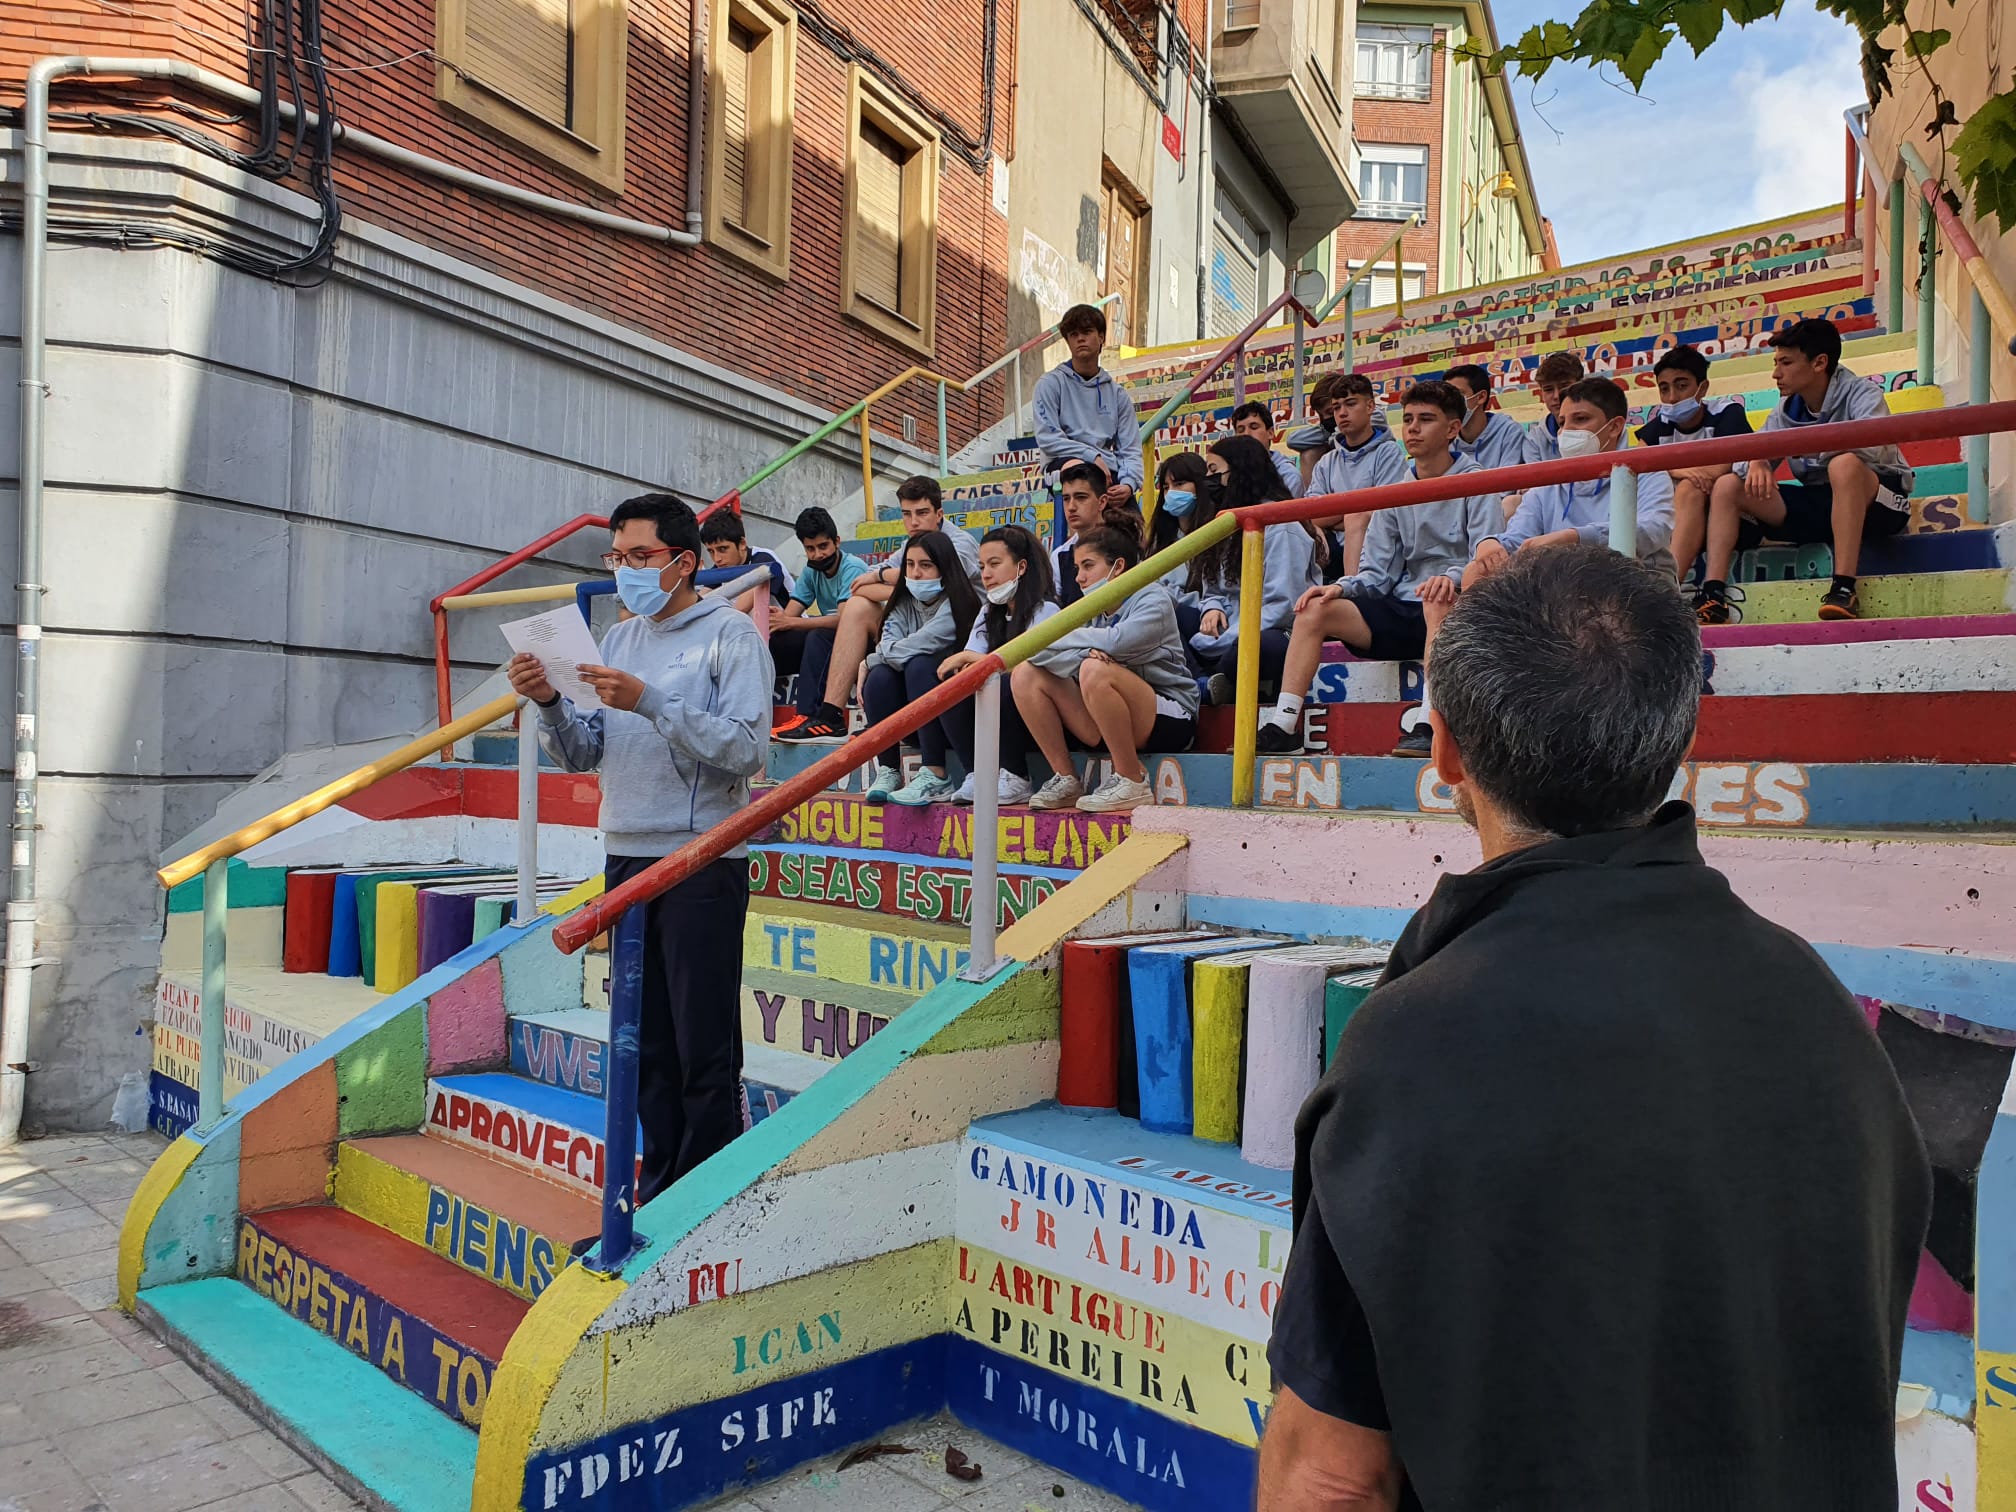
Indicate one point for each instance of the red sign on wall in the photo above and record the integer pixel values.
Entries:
(1172, 139)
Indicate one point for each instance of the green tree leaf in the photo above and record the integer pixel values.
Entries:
(1700, 22)
(1985, 155)
(1922, 44)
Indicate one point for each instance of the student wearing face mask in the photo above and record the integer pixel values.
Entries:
(1015, 594)
(684, 724)
(931, 609)
(1239, 475)
(1490, 438)
(1179, 486)
(1592, 421)
(1121, 682)
(1686, 413)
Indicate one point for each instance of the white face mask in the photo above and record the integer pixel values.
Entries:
(1580, 443)
(1004, 593)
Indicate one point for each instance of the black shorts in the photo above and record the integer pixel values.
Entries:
(1170, 733)
(1809, 512)
(1399, 628)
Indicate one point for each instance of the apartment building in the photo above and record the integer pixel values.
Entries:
(1438, 138)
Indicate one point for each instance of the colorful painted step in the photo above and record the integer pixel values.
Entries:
(840, 945)
(513, 1229)
(553, 1133)
(1095, 1058)
(1066, 841)
(1159, 977)
(425, 1323)
(325, 1399)
(931, 889)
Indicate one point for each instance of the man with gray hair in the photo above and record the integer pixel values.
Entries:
(1610, 1197)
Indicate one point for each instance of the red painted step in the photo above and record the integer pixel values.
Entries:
(1804, 727)
(414, 1282)
(311, 899)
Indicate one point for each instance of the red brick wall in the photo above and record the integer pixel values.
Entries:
(789, 335)
(1408, 122)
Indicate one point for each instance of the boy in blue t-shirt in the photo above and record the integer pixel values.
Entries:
(801, 634)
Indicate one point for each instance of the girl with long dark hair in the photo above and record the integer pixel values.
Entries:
(1015, 585)
(932, 607)
(1241, 472)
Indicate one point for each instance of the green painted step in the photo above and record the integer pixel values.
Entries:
(1909, 595)
(318, 1396)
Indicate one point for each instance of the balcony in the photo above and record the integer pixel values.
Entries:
(1283, 74)
(1393, 210)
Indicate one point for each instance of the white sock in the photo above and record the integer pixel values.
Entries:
(1286, 711)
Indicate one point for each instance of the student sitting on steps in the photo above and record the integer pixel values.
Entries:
(1181, 484)
(1239, 474)
(728, 546)
(1836, 498)
(1313, 441)
(1363, 455)
(1256, 420)
(801, 637)
(860, 618)
(1081, 493)
(931, 610)
(1082, 413)
(1015, 585)
(1557, 373)
(1121, 682)
(1490, 438)
(1414, 557)
(1686, 413)
(1594, 414)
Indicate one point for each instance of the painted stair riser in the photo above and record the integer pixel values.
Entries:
(464, 1232)
(912, 887)
(561, 1141)
(1067, 840)
(1815, 729)
(1982, 664)
(409, 1350)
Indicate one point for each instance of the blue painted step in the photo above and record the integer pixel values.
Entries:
(318, 1395)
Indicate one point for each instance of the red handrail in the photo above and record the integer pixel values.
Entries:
(592, 918)
(443, 698)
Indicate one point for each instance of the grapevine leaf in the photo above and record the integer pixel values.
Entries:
(1700, 22)
(1942, 120)
(1922, 44)
(1645, 51)
(1984, 153)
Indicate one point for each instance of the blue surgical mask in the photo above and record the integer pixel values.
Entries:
(1682, 413)
(925, 590)
(640, 590)
(1179, 501)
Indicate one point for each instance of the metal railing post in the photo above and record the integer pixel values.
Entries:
(867, 471)
(1624, 511)
(1301, 344)
(528, 813)
(216, 919)
(1246, 698)
(1894, 263)
(1239, 377)
(1928, 290)
(1349, 359)
(1848, 180)
(619, 1132)
(1979, 343)
(763, 602)
(983, 897)
(944, 458)
(1015, 398)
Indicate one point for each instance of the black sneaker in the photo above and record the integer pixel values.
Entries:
(1273, 740)
(1840, 603)
(1718, 605)
(1219, 689)
(1416, 742)
(827, 727)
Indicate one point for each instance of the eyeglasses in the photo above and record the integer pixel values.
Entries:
(641, 557)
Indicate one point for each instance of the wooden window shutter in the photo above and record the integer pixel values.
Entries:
(879, 240)
(524, 50)
(736, 69)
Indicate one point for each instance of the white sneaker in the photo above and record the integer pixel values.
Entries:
(1014, 787)
(965, 793)
(1116, 795)
(1058, 793)
(926, 787)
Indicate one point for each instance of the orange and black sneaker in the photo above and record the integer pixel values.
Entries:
(1840, 602)
(827, 727)
(1716, 604)
(789, 720)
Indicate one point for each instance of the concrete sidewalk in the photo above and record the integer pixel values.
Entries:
(97, 1416)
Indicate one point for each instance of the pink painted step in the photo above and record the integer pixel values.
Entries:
(1850, 632)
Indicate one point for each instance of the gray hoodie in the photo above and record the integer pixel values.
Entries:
(1287, 571)
(1142, 635)
(1405, 547)
(911, 628)
(1848, 397)
(680, 763)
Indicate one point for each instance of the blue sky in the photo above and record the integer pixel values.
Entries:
(1749, 130)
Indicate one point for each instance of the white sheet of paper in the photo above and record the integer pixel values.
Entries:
(560, 639)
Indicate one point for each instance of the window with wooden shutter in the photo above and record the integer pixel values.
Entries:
(748, 140)
(548, 74)
(735, 67)
(889, 254)
(879, 238)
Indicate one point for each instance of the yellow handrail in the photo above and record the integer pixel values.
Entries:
(290, 814)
